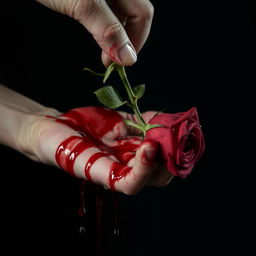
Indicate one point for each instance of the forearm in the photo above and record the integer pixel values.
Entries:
(16, 114)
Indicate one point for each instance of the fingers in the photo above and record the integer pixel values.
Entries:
(139, 18)
(106, 60)
(81, 158)
(119, 44)
(133, 180)
(161, 176)
(107, 30)
(136, 17)
(78, 155)
(126, 167)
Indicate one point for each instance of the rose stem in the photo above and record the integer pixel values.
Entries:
(133, 99)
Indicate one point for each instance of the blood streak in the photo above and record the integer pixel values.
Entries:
(91, 161)
(93, 123)
(69, 150)
(111, 51)
(125, 150)
(117, 171)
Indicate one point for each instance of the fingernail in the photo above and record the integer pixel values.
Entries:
(127, 55)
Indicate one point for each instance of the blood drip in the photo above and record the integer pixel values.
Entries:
(99, 219)
(116, 200)
(92, 123)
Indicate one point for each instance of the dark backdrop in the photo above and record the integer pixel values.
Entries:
(199, 53)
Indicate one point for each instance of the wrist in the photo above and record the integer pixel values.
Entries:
(29, 132)
(19, 129)
(19, 116)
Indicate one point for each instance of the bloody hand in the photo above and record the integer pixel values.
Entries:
(93, 143)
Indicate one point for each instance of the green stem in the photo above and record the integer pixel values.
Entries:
(132, 97)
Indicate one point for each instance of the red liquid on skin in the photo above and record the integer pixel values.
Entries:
(117, 172)
(69, 150)
(94, 122)
(91, 161)
(111, 51)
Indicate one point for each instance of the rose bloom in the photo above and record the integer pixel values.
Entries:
(181, 140)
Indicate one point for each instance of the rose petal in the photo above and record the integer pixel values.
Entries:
(180, 138)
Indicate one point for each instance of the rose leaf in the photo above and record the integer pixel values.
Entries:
(109, 97)
(139, 90)
(109, 70)
(93, 72)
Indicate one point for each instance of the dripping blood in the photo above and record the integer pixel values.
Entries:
(92, 124)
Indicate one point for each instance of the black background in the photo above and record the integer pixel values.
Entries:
(199, 53)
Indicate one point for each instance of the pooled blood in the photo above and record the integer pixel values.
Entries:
(94, 121)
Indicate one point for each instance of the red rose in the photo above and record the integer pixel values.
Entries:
(181, 140)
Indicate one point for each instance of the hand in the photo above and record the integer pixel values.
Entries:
(120, 27)
(94, 144)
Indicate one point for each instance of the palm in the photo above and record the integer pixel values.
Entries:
(93, 143)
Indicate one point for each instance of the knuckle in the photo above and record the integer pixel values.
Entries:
(147, 12)
(113, 31)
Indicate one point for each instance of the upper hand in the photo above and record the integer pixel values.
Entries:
(94, 144)
(120, 27)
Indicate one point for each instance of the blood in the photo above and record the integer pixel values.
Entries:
(100, 200)
(116, 201)
(92, 123)
(69, 150)
(117, 172)
(91, 161)
(111, 52)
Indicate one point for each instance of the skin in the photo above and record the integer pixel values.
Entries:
(120, 28)
(114, 24)
(28, 130)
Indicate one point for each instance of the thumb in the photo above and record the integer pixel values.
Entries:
(107, 30)
(142, 168)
